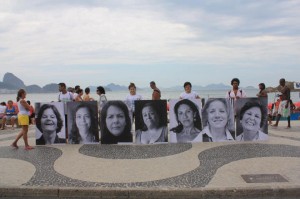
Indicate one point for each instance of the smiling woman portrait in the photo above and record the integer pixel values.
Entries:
(252, 120)
(49, 122)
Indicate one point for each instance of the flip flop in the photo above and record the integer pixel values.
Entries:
(27, 148)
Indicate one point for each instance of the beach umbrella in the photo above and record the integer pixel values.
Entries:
(297, 104)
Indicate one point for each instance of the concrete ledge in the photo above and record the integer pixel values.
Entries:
(28, 192)
(271, 192)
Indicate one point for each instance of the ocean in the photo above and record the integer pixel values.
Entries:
(120, 95)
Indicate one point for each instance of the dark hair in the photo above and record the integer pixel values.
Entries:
(3, 103)
(131, 85)
(229, 110)
(252, 104)
(106, 136)
(75, 139)
(101, 89)
(79, 90)
(152, 82)
(77, 87)
(62, 84)
(87, 90)
(159, 109)
(20, 93)
(28, 102)
(235, 80)
(194, 107)
(56, 112)
(263, 86)
(187, 83)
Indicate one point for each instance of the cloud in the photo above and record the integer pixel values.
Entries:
(98, 38)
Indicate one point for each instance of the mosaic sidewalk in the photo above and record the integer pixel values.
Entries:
(183, 169)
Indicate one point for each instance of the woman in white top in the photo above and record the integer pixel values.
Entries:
(188, 93)
(23, 119)
(129, 100)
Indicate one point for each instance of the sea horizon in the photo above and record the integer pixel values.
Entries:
(146, 94)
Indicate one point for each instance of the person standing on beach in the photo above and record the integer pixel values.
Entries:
(23, 119)
(262, 90)
(235, 93)
(188, 93)
(285, 102)
(102, 100)
(65, 96)
(156, 92)
(133, 96)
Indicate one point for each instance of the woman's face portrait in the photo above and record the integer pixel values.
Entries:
(115, 120)
(251, 119)
(186, 115)
(83, 119)
(150, 117)
(217, 114)
(48, 120)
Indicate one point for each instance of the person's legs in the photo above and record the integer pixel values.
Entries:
(15, 143)
(12, 121)
(277, 120)
(289, 121)
(3, 122)
(25, 137)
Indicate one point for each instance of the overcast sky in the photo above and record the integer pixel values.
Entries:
(93, 42)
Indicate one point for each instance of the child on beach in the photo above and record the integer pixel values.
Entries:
(23, 119)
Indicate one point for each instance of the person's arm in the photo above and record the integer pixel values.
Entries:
(24, 103)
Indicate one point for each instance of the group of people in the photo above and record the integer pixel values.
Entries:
(116, 117)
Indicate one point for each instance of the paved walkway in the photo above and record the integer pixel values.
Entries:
(201, 170)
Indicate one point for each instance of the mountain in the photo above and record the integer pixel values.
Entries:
(116, 87)
(51, 88)
(12, 82)
(34, 89)
(219, 86)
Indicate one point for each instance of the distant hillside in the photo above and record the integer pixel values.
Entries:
(12, 83)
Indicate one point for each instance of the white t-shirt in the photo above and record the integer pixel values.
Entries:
(191, 95)
(130, 101)
(67, 97)
(240, 93)
(2, 109)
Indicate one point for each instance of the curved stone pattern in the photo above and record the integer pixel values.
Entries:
(133, 151)
(210, 161)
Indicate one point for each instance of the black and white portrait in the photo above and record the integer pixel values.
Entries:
(83, 122)
(251, 121)
(50, 120)
(115, 123)
(185, 120)
(217, 121)
(151, 121)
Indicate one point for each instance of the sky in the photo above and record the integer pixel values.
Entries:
(93, 42)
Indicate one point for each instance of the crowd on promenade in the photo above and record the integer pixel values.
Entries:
(217, 125)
